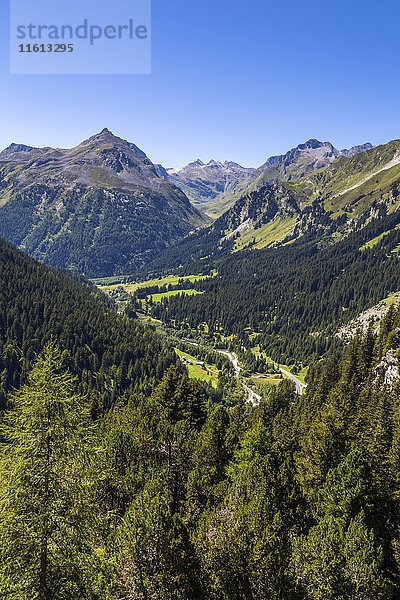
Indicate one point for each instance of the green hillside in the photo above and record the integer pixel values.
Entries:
(110, 353)
(187, 494)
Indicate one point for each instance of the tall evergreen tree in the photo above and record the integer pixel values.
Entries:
(45, 519)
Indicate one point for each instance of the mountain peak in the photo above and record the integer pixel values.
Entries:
(12, 148)
(349, 153)
(104, 133)
(111, 187)
(304, 158)
(108, 137)
(314, 143)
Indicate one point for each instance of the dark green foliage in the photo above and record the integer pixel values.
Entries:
(180, 496)
(104, 236)
(111, 354)
(47, 518)
(295, 298)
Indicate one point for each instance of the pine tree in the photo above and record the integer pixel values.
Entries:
(243, 543)
(335, 563)
(340, 557)
(209, 458)
(44, 509)
(154, 556)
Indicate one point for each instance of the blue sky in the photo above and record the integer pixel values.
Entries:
(230, 80)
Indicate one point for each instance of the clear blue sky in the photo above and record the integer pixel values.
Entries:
(231, 80)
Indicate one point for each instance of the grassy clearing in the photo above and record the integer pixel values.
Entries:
(266, 380)
(147, 319)
(272, 233)
(109, 282)
(300, 376)
(159, 297)
(377, 239)
(207, 373)
(140, 285)
(6, 196)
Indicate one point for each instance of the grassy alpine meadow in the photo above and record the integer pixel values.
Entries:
(266, 380)
(163, 295)
(131, 287)
(198, 369)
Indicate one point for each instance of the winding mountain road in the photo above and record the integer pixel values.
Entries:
(233, 357)
(254, 398)
(300, 387)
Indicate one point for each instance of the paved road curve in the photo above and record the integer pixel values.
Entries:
(300, 387)
(253, 397)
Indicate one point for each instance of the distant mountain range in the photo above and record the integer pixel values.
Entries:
(100, 208)
(216, 185)
(313, 190)
(203, 183)
(104, 208)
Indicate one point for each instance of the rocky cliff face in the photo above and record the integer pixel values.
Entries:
(304, 159)
(260, 207)
(215, 185)
(296, 196)
(387, 372)
(329, 192)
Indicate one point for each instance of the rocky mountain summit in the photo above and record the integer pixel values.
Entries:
(203, 182)
(215, 186)
(305, 158)
(100, 208)
(313, 191)
(103, 208)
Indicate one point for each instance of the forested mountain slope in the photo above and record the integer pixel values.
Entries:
(100, 208)
(292, 300)
(110, 354)
(103, 208)
(177, 496)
